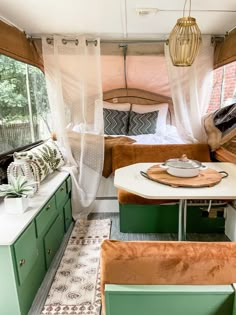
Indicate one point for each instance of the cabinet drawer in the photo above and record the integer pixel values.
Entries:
(46, 216)
(61, 194)
(53, 239)
(68, 184)
(26, 252)
(67, 214)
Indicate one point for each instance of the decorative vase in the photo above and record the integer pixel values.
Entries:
(25, 168)
(16, 205)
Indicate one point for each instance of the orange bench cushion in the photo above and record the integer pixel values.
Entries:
(125, 197)
(167, 262)
(124, 155)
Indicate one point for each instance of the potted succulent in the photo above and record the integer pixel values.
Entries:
(16, 194)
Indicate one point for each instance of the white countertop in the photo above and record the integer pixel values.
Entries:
(129, 178)
(12, 225)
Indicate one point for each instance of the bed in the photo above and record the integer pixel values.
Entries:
(165, 133)
(129, 118)
(140, 105)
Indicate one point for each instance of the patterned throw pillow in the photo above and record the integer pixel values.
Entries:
(162, 109)
(115, 122)
(140, 124)
(46, 156)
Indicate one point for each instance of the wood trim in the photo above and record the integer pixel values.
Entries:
(224, 155)
(225, 52)
(135, 48)
(135, 96)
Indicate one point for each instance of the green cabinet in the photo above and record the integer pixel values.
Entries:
(26, 252)
(53, 238)
(46, 216)
(24, 263)
(61, 194)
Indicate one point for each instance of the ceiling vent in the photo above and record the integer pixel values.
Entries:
(146, 11)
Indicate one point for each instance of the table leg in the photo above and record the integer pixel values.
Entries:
(182, 220)
(180, 227)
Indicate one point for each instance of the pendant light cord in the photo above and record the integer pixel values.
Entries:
(125, 47)
(189, 7)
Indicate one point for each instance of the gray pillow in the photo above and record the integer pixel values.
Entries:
(140, 124)
(115, 122)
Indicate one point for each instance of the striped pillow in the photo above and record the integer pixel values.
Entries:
(115, 122)
(140, 124)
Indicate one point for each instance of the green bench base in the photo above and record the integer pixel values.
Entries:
(164, 219)
(170, 299)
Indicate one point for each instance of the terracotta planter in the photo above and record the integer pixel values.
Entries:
(16, 205)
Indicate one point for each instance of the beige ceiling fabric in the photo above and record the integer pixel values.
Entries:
(112, 72)
(191, 90)
(148, 73)
(143, 72)
(73, 76)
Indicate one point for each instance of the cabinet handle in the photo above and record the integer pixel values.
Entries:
(49, 251)
(48, 207)
(22, 262)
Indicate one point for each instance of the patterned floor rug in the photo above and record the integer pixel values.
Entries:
(76, 287)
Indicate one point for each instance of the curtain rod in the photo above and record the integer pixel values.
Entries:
(76, 41)
(134, 41)
(105, 41)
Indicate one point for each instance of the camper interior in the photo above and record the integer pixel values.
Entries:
(117, 157)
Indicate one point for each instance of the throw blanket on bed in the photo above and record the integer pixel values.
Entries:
(220, 126)
(110, 142)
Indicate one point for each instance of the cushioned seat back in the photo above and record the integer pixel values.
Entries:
(167, 263)
(123, 155)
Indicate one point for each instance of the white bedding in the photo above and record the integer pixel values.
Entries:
(168, 135)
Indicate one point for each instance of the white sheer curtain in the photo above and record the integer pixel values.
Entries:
(73, 76)
(191, 90)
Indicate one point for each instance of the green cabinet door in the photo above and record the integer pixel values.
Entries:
(26, 252)
(46, 216)
(61, 195)
(53, 238)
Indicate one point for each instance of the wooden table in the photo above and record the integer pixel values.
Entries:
(129, 178)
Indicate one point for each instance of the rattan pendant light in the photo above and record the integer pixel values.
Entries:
(184, 40)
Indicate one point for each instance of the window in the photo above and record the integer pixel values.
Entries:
(224, 87)
(24, 108)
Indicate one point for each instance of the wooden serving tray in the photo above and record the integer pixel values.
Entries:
(206, 178)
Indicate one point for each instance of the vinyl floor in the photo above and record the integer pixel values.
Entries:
(117, 235)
